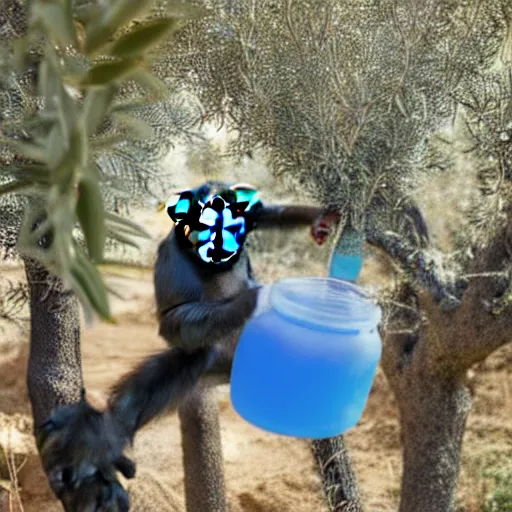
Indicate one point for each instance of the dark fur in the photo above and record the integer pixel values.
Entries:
(157, 384)
(201, 311)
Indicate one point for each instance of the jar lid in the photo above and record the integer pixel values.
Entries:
(325, 302)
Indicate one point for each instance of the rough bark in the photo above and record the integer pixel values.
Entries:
(433, 407)
(338, 479)
(202, 453)
(54, 374)
(433, 420)
(427, 351)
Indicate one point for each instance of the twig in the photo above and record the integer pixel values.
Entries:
(13, 477)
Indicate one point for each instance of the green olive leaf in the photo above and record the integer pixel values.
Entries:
(90, 213)
(61, 243)
(118, 13)
(43, 77)
(42, 120)
(66, 110)
(58, 21)
(79, 145)
(33, 151)
(50, 82)
(115, 221)
(26, 179)
(129, 107)
(63, 172)
(99, 144)
(103, 73)
(137, 128)
(37, 173)
(87, 307)
(96, 104)
(27, 186)
(90, 284)
(158, 88)
(63, 175)
(56, 146)
(143, 37)
(123, 238)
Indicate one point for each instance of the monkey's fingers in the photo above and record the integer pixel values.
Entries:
(119, 500)
(97, 497)
(98, 492)
(113, 497)
(320, 232)
(126, 466)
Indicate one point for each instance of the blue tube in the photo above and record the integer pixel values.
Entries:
(347, 257)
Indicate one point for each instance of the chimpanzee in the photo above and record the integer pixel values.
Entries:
(204, 293)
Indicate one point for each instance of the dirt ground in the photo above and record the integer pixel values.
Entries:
(264, 472)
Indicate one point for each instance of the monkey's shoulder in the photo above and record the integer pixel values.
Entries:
(175, 277)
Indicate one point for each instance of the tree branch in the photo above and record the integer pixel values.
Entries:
(479, 321)
(424, 270)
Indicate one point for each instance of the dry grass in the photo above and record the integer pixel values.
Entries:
(13, 459)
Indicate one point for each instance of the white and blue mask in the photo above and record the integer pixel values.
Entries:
(214, 222)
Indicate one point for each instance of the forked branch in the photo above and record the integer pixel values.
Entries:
(422, 267)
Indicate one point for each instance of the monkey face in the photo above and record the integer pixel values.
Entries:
(213, 218)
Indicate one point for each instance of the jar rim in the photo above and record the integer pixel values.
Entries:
(325, 302)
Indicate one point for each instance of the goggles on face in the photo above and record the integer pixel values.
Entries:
(215, 224)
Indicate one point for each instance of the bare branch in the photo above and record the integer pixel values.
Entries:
(422, 268)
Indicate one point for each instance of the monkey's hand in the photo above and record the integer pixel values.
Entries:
(82, 449)
(322, 226)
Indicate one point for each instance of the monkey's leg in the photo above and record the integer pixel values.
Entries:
(202, 452)
(54, 365)
(83, 447)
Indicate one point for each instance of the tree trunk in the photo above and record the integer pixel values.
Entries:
(427, 351)
(433, 413)
(428, 380)
(202, 453)
(339, 481)
(54, 367)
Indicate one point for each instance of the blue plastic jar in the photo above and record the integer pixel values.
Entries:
(305, 366)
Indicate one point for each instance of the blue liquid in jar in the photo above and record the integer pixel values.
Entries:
(299, 368)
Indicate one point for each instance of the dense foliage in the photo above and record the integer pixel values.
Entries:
(84, 124)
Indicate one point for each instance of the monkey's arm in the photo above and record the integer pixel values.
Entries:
(319, 219)
(205, 323)
(161, 381)
(286, 216)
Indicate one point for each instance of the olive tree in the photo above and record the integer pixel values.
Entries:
(348, 100)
